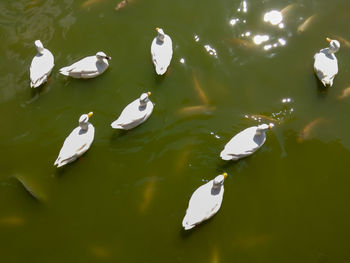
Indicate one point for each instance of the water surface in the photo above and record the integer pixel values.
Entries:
(124, 200)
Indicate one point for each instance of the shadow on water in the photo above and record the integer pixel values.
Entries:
(36, 92)
(321, 89)
(160, 78)
(224, 165)
(119, 134)
(187, 233)
(59, 172)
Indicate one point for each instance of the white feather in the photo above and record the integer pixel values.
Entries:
(162, 52)
(245, 142)
(41, 67)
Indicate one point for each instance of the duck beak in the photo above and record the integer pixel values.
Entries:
(271, 126)
(157, 28)
(149, 93)
(90, 114)
(225, 175)
(107, 57)
(328, 40)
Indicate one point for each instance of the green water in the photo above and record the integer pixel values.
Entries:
(124, 200)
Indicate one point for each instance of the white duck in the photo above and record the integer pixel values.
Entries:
(162, 51)
(88, 67)
(78, 141)
(245, 143)
(326, 64)
(134, 113)
(41, 65)
(205, 202)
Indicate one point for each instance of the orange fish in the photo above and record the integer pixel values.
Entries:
(12, 221)
(148, 195)
(88, 3)
(199, 90)
(183, 158)
(306, 24)
(199, 109)
(241, 42)
(345, 93)
(305, 133)
(121, 5)
(215, 256)
(342, 40)
(287, 9)
(259, 116)
(100, 252)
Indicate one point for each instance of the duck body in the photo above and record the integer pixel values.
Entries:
(245, 142)
(76, 144)
(88, 67)
(41, 65)
(134, 113)
(205, 202)
(326, 63)
(162, 52)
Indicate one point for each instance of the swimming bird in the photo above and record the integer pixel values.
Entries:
(41, 65)
(88, 67)
(245, 143)
(162, 51)
(134, 113)
(205, 202)
(326, 63)
(78, 141)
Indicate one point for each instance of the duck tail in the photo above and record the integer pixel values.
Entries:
(116, 125)
(186, 224)
(38, 82)
(65, 71)
(225, 156)
(327, 82)
(160, 70)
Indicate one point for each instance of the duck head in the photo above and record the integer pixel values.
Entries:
(39, 46)
(161, 34)
(263, 128)
(334, 45)
(101, 55)
(144, 98)
(84, 121)
(219, 180)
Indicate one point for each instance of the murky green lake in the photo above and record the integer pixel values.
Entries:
(124, 200)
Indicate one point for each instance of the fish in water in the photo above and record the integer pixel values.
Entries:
(121, 5)
(11, 221)
(199, 109)
(88, 3)
(285, 11)
(215, 256)
(342, 40)
(306, 24)
(31, 4)
(241, 42)
(305, 133)
(148, 195)
(260, 116)
(203, 97)
(183, 158)
(29, 188)
(100, 252)
(345, 93)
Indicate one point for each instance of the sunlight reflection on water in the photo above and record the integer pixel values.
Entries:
(277, 35)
